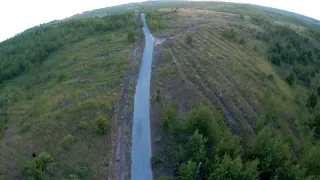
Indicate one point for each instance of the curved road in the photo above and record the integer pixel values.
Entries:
(141, 141)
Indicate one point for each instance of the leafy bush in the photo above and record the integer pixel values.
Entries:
(157, 96)
(208, 123)
(25, 127)
(131, 36)
(35, 168)
(67, 141)
(290, 79)
(188, 39)
(101, 125)
(82, 124)
(242, 41)
(312, 100)
(318, 91)
(170, 119)
(229, 34)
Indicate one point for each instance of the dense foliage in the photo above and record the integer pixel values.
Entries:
(211, 152)
(33, 46)
(155, 20)
(286, 47)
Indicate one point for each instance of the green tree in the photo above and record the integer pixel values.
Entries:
(101, 125)
(208, 123)
(312, 100)
(290, 79)
(311, 159)
(271, 150)
(131, 36)
(170, 119)
(233, 169)
(188, 171)
(196, 146)
(228, 145)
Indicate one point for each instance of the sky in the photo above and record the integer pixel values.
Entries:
(19, 15)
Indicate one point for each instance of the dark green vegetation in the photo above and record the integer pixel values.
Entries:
(239, 99)
(60, 85)
(202, 147)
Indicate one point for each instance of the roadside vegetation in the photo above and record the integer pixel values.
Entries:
(60, 84)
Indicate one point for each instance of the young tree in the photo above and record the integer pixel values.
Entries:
(188, 39)
(290, 79)
(196, 147)
(312, 100)
(188, 171)
(131, 36)
(233, 169)
(271, 150)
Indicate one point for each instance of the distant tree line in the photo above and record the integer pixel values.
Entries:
(33, 46)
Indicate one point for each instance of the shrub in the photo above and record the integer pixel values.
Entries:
(155, 161)
(318, 91)
(270, 77)
(207, 122)
(255, 48)
(188, 39)
(67, 141)
(25, 127)
(290, 79)
(188, 171)
(242, 41)
(82, 124)
(157, 96)
(101, 126)
(131, 36)
(35, 169)
(62, 78)
(312, 100)
(170, 119)
(241, 16)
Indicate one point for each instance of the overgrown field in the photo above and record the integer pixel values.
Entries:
(259, 71)
(57, 110)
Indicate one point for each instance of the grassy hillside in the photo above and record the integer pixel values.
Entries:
(58, 107)
(252, 75)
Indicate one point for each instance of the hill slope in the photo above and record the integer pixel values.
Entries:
(60, 88)
(232, 71)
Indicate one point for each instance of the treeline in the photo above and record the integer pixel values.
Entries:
(202, 147)
(287, 47)
(155, 20)
(33, 46)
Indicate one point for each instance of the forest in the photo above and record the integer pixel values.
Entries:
(28, 49)
(203, 147)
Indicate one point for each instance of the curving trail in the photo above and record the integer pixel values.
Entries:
(141, 140)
